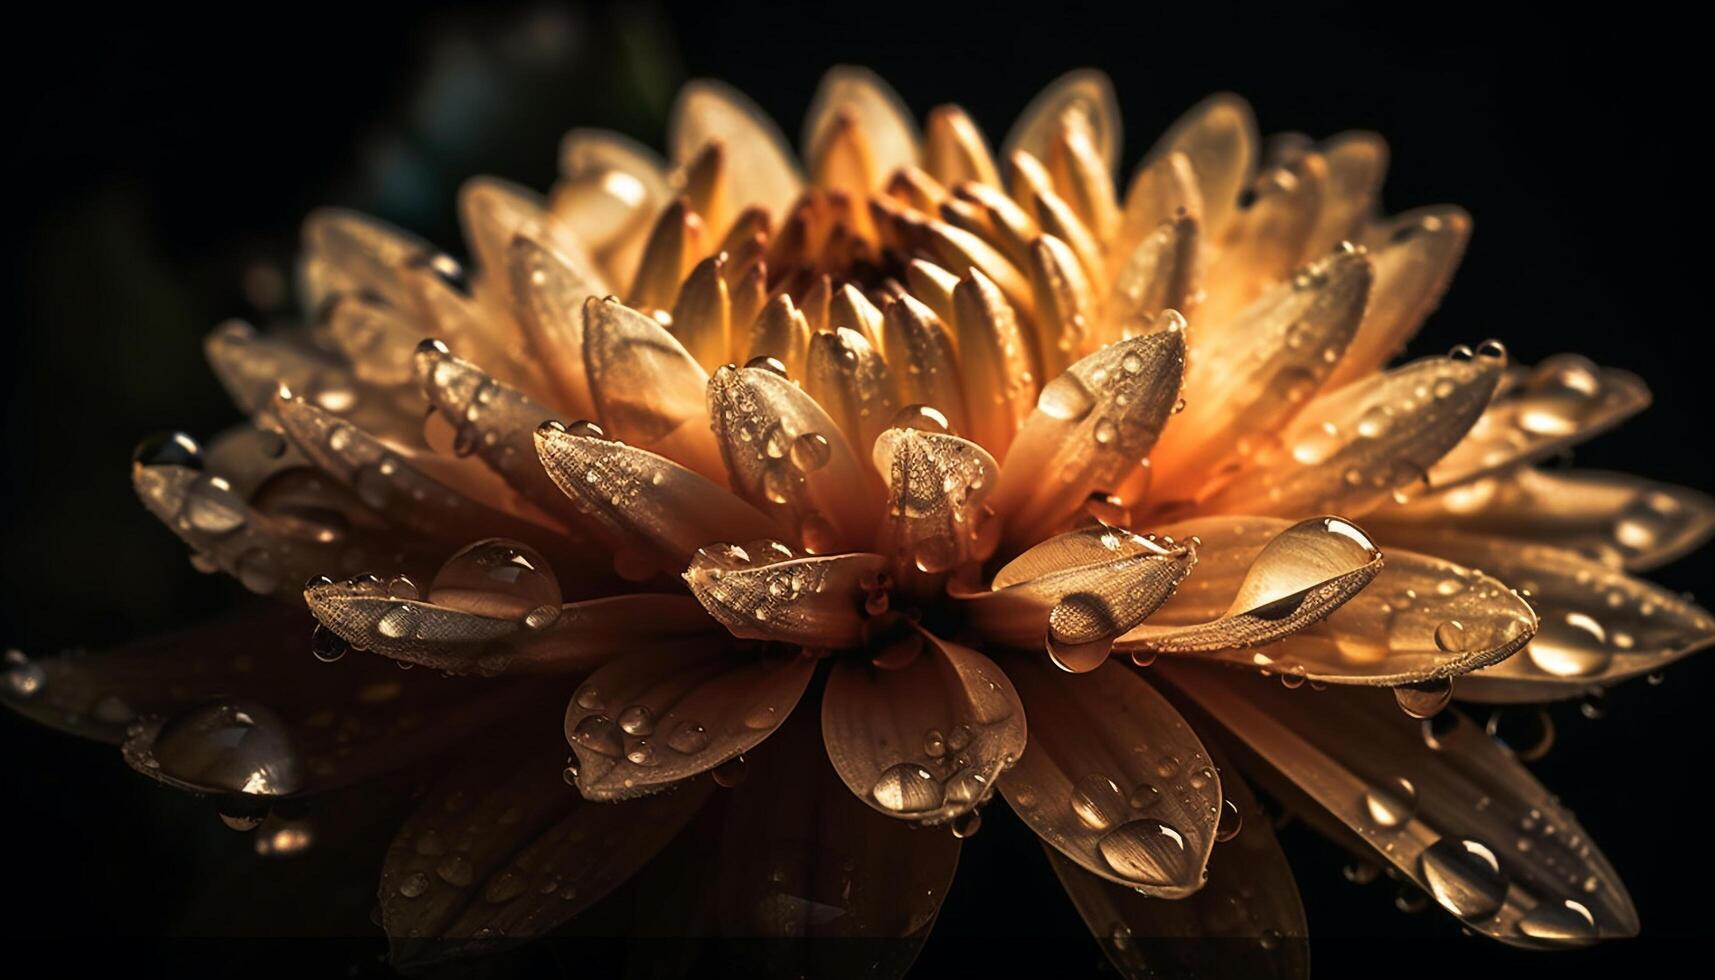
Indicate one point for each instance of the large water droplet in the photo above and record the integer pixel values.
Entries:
(908, 788)
(227, 747)
(213, 507)
(1065, 398)
(496, 577)
(1570, 645)
(1098, 802)
(1424, 700)
(168, 449)
(1390, 804)
(1146, 851)
(1464, 876)
(1559, 921)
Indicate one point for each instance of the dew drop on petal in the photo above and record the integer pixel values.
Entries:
(908, 788)
(1559, 921)
(1425, 699)
(230, 747)
(414, 885)
(1464, 876)
(1098, 802)
(1230, 823)
(498, 578)
(1146, 851)
(1390, 804)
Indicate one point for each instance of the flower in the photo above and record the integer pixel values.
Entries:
(714, 450)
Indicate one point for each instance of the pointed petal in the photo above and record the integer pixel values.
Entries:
(1065, 304)
(760, 593)
(657, 716)
(1164, 188)
(351, 253)
(702, 315)
(1092, 426)
(781, 332)
(377, 340)
(1349, 450)
(1085, 93)
(1599, 625)
(1614, 518)
(1266, 239)
(1219, 137)
(252, 366)
(920, 348)
(1445, 812)
(495, 212)
(936, 519)
(648, 391)
(955, 151)
(1163, 272)
(1082, 176)
(878, 111)
(610, 187)
(1415, 255)
(760, 163)
(1357, 163)
(925, 742)
(995, 359)
(675, 244)
(1101, 742)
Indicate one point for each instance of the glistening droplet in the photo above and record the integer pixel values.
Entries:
(496, 577)
(1464, 876)
(908, 788)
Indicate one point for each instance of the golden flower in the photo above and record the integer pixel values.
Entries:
(712, 443)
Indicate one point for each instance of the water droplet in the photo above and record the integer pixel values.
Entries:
(1570, 645)
(762, 717)
(1391, 804)
(1464, 876)
(327, 645)
(1424, 700)
(1145, 796)
(926, 418)
(503, 888)
(731, 772)
(413, 885)
(1450, 637)
(1146, 851)
(1230, 823)
(1560, 921)
(811, 452)
(1527, 731)
(1065, 398)
(1098, 802)
(169, 449)
(600, 734)
(213, 507)
(908, 788)
(456, 870)
(227, 747)
(399, 622)
(637, 720)
(498, 578)
(967, 824)
(688, 737)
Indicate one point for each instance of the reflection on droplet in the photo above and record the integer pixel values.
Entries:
(228, 747)
(1065, 398)
(908, 788)
(1464, 876)
(1391, 804)
(688, 737)
(1230, 822)
(1098, 802)
(1570, 645)
(496, 577)
(1562, 921)
(1424, 700)
(1146, 851)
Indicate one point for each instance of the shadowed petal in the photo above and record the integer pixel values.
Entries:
(549, 294)
(351, 253)
(955, 151)
(657, 716)
(924, 742)
(846, 375)
(1357, 162)
(1615, 518)
(1085, 93)
(1219, 138)
(877, 110)
(1446, 810)
(760, 165)
(1415, 255)
(252, 367)
(764, 592)
(920, 348)
(647, 389)
(1113, 777)
(496, 854)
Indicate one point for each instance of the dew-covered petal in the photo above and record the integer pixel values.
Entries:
(920, 349)
(1086, 94)
(1247, 919)
(1091, 428)
(252, 366)
(1599, 625)
(1078, 591)
(846, 374)
(1162, 272)
(1448, 810)
(497, 854)
(954, 150)
(648, 391)
(1351, 449)
(759, 162)
(377, 340)
(926, 742)
(1251, 375)
(493, 214)
(1113, 777)
(550, 294)
(702, 314)
(786, 456)
(1415, 255)
(764, 592)
(995, 359)
(1219, 138)
(1267, 238)
(674, 246)
(1540, 411)
(781, 332)
(1615, 518)
(936, 519)
(660, 715)
(1294, 576)
(1357, 163)
(1163, 188)
(878, 111)
(637, 494)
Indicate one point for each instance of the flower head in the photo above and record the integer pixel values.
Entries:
(933, 446)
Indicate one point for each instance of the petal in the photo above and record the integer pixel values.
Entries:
(1162, 272)
(1357, 163)
(1266, 239)
(702, 315)
(1615, 518)
(657, 716)
(1246, 920)
(881, 115)
(675, 244)
(758, 160)
(1349, 450)
(252, 367)
(378, 340)
(1092, 426)
(1083, 176)
(1164, 188)
(995, 358)
(610, 187)
(1599, 625)
(500, 853)
(351, 253)
(1446, 810)
(1101, 742)
(788, 458)
(1219, 137)
(1085, 93)
(1295, 575)
(925, 742)
(920, 349)
(640, 495)
(648, 391)
(936, 519)
(549, 294)
(1415, 255)
(954, 150)
(781, 332)
(848, 376)
(1065, 304)
(759, 593)
(1078, 591)
(1253, 374)
(1562, 401)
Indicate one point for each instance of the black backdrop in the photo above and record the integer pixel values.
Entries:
(163, 164)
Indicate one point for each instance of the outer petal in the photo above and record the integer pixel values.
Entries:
(647, 389)
(1086, 92)
(1219, 137)
(925, 742)
(1446, 811)
(1415, 255)
(661, 715)
(878, 110)
(760, 165)
(1102, 742)
(763, 591)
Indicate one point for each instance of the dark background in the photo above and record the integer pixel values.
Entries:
(163, 165)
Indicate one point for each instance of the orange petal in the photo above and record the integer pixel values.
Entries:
(765, 592)
(1219, 138)
(760, 164)
(1415, 255)
(647, 389)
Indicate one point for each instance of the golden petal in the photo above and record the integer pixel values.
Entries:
(1247, 378)
(920, 349)
(352, 253)
(1085, 94)
(788, 458)
(1163, 189)
(1540, 411)
(704, 181)
(655, 717)
(878, 111)
(378, 340)
(492, 213)
(1219, 137)
(449, 313)
(1082, 176)
(642, 495)
(610, 187)
(997, 362)
(933, 286)
(1614, 518)
(959, 251)
(1078, 591)
(1065, 304)
(1113, 778)
(550, 294)
(1295, 575)
(1091, 428)
(1357, 164)
(648, 391)
(1599, 626)
(760, 163)
(1446, 810)
(928, 741)
(762, 592)
(1349, 450)
(936, 519)
(252, 366)
(842, 160)
(848, 377)
(1415, 254)
(954, 150)
(1246, 920)
(1266, 239)
(782, 332)
(702, 315)
(674, 246)
(1163, 272)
